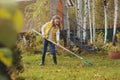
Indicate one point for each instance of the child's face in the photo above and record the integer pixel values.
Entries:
(57, 21)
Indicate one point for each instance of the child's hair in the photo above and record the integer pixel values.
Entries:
(56, 17)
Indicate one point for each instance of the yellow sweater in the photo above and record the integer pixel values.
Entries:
(51, 32)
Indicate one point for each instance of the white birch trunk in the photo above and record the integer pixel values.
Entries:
(79, 17)
(105, 14)
(67, 25)
(90, 23)
(85, 19)
(93, 8)
(68, 29)
(115, 18)
(66, 21)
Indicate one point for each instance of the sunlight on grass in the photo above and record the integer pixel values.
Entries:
(70, 68)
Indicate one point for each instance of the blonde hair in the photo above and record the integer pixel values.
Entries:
(56, 17)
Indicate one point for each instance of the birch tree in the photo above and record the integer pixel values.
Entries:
(85, 19)
(93, 17)
(115, 18)
(79, 17)
(105, 14)
(66, 22)
(90, 21)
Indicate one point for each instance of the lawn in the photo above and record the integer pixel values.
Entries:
(70, 68)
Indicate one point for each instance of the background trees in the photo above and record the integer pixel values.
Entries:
(101, 15)
(36, 14)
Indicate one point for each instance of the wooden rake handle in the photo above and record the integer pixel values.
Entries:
(58, 45)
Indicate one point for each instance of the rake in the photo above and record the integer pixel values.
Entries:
(83, 59)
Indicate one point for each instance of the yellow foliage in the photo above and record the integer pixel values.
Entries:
(18, 20)
(11, 22)
(6, 57)
(11, 14)
(4, 14)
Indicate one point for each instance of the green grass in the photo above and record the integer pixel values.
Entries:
(70, 68)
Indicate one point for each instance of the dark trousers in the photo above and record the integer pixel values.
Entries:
(52, 50)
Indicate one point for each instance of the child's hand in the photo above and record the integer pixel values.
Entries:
(44, 37)
(58, 43)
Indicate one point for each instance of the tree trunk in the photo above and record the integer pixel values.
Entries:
(68, 28)
(79, 17)
(66, 23)
(115, 19)
(90, 23)
(105, 14)
(93, 8)
(85, 19)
